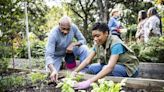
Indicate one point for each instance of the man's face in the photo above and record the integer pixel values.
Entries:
(64, 28)
(99, 37)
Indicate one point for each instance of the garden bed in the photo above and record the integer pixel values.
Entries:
(25, 80)
(42, 84)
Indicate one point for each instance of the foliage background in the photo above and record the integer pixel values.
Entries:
(43, 18)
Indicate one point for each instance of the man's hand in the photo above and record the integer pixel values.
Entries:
(70, 48)
(54, 76)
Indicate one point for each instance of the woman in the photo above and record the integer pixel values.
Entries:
(113, 57)
(114, 24)
(152, 25)
(140, 28)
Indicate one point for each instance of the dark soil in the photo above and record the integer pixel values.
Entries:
(51, 87)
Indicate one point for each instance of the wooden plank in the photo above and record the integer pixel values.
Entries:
(135, 82)
(146, 68)
(19, 70)
(151, 70)
(131, 82)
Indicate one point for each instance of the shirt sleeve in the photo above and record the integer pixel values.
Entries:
(111, 24)
(118, 49)
(94, 49)
(50, 48)
(78, 35)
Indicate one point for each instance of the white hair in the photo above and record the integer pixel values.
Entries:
(113, 11)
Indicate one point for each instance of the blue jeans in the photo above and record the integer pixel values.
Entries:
(118, 70)
(82, 52)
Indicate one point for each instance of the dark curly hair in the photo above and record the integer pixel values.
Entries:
(103, 27)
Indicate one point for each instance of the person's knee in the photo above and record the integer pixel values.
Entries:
(92, 70)
(119, 71)
(136, 73)
(95, 68)
(84, 48)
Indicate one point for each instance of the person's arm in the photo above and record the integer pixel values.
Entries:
(107, 69)
(70, 47)
(111, 24)
(137, 35)
(80, 39)
(49, 55)
(79, 36)
(50, 48)
(86, 61)
(54, 73)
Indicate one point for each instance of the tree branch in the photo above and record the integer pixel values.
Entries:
(82, 7)
(76, 12)
(91, 3)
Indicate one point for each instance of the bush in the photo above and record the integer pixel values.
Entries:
(4, 62)
(37, 49)
(152, 51)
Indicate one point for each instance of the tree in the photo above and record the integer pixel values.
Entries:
(12, 19)
(85, 11)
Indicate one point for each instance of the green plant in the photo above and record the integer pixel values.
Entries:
(35, 77)
(11, 82)
(131, 32)
(67, 83)
(37, 48)
(107, 86)
(152, 51)
(4, 64)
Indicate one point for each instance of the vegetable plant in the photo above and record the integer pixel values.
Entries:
(107, 86)
(67, 83)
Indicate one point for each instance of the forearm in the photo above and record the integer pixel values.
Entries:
(52, 68)
(81, 66)
(106, 70)
(85, 62)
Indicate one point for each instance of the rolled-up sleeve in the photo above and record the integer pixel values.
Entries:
(50, 49)
(110, 24)
(79, 36)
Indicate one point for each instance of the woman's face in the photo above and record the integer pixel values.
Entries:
(117, 14)
(99, 36)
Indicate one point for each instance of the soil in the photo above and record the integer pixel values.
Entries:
(50, 87)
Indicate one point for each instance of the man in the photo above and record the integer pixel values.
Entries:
(60, 43)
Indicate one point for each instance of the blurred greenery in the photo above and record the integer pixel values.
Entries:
(42, 18)
(3, 65)
(152, 51)
(17, 82)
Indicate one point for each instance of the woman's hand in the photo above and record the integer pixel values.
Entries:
(83, 84)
